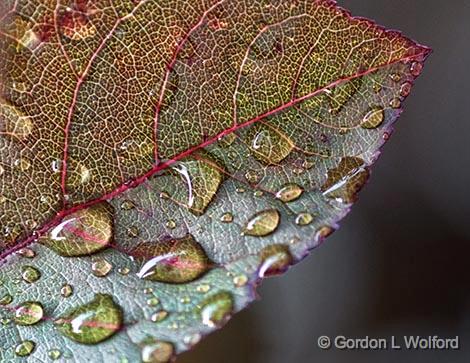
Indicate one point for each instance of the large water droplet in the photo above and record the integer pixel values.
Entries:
(373, 118)
(216, 309)
(289, 193)
(30, 274)
(29, 313)
(25, 348)
(85, 232)
(101, 267)
(173, 261)
(269, 145)
(275, 259)
(416, 68)
(262, 223)
(155, 351)
(346, 180)
(93, 322)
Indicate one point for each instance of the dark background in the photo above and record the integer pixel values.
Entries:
(399, 264)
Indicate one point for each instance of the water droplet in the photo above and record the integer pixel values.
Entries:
(386, 136)
(227, 218)
(240, 190)
(258, 193)
(153, 301)
(54, 354)
(275, 259)
(269, 145)
(127, 205)
(148, 290)
(262, 223)
(395, 103)
(25, 348)
(85, 232)
(66, 290)
(157, 351)
(216, 309)
(395, 77)
(373, 118)
(27, 253)
(416, 68)
(185, 300)
(124, 271)
(159, 316)
(405, 89)
(240, 280)
(133, 232)
(192, 339)
(6, 299)
(57, 166)
(289, 193)
(172, 261)
(346, 180)
(171, 224)
(93, 322)
(101, 267)
(30, 274)
(29, 313)
(203, 288)
(303, 219)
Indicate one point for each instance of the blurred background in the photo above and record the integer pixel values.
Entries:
(399, 265)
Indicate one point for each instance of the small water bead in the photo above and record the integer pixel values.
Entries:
(204, 288)
(127, 205)
(240, 190)
(373, 118)
(6, 299)
(416, 68)
(172, 261)
(185, 300)
(101, 267)
(29, 313)
(275, 259)
(148, 290)
(217, 309)
(93, 322)
(27, 253)
(192, 339)
(153, 301)
(240, 280)
(405, 89)
(385, 136)
(83, 233)
(227, 218)
(289, 193)
(25, 348)
(66, 290)
(54, 354)
(56, 166)
(157, 352)
(171, 224)
(262, 223)
(395, 103)
(133, 232)
(30, 274)
(159, 316)
(124, 270)
(303, 219)
(396, 77)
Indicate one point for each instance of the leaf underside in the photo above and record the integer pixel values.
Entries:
(159, 158)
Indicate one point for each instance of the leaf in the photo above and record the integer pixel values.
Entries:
(159, 160)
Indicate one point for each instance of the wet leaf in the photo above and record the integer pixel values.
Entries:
(156, 162)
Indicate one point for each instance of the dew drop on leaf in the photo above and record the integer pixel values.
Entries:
(85, 232)
(153, 301)
(373, 118)
(25, 348)
(30, 274)
(27, 252)
(127, 205)
(93, 322)
(405, 89)
(303, 219)
(29, 313)
(416, 68)
(269, 145)
(172, 261)
(289, 193)
(101, 267)
(54, 354)
(395, 103)
(159, 316)
(6, 299)
(262, 223)
(240, 280)
(203, 288)
(227, 218)
(216, 309)
(275, 259)
(157, 351)
(66, 290)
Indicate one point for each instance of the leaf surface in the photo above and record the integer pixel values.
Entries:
(158, 159)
